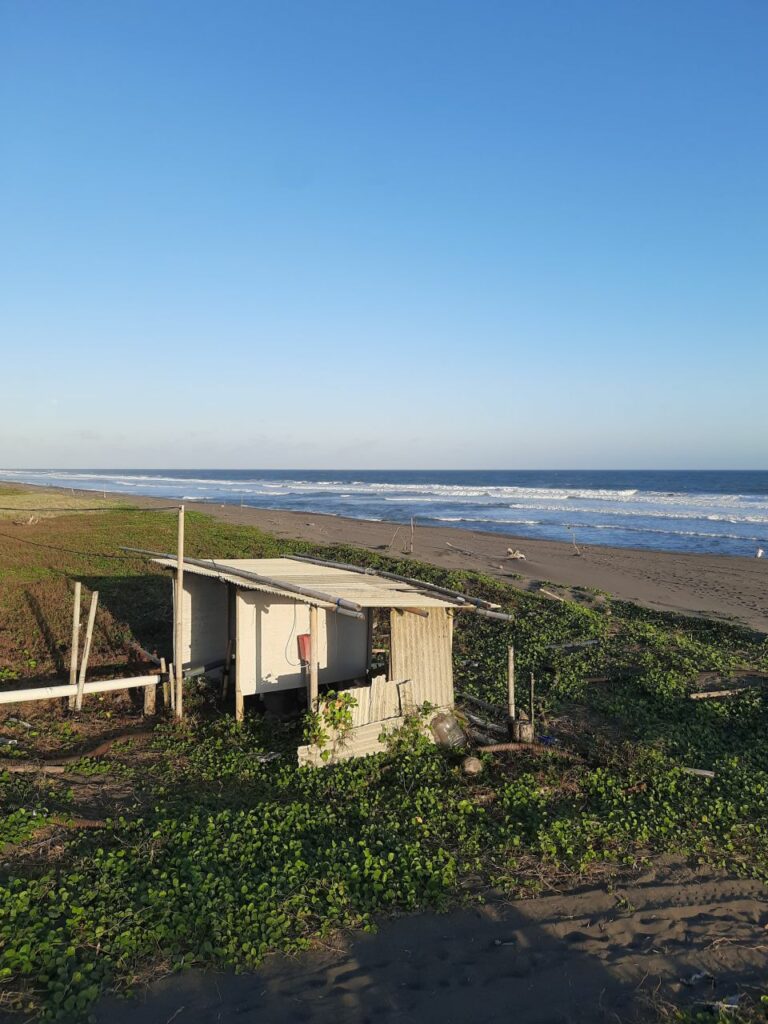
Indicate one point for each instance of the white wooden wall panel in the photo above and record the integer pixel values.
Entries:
(206, 620)
(268, 649)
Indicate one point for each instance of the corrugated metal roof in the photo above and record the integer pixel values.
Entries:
(421, 652)
(366, 591)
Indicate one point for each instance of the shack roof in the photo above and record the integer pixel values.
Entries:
(367, 591)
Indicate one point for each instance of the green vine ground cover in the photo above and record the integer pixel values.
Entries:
(223, 858)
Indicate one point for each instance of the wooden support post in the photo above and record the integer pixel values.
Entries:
(86, 649)
(172, 686)
(227, 669)
(239, 699)
(75, 642)
(164, 684)
(369, 629)
(314, 650)
(150, 700)
(511, 682)
(411, 551)
(177, 654)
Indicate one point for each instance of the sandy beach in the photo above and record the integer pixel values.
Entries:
(675, 935)
(715, 586)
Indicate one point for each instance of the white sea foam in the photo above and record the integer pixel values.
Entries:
(694, 518)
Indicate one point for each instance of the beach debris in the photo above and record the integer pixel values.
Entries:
(515, 747)
(703, 772)
(516, 554)
(694, 979)
(728, 1003)
(18, 721)
(522, 732)
(549, 593)
(522, 726)
(716, 694)
(494, 709)
(573, 645)
(472, 765)
(447, 731)
(5, 742)
(576, 549)
(483, 723)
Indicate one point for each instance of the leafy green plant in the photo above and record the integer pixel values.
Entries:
(328, 727)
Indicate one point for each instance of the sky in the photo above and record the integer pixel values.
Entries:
(402, 233)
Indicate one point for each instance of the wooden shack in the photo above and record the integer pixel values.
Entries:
(301, 624)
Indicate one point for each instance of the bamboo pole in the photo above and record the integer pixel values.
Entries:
(86, 649)
(531, 700)
(76, 612)
(177, 654)
(511, 682)
(314, 650)
(172, 686)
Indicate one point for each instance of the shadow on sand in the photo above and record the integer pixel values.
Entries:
(562, 959)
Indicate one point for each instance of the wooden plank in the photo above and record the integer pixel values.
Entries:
(716, 694)
(76, 612)
(86, 649)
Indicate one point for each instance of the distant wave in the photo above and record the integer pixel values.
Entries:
(670, 511)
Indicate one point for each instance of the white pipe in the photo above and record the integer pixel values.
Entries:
(66, 690)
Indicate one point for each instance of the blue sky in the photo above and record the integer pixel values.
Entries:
(392, 234)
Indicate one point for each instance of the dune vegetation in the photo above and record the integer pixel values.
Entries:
(184, 844)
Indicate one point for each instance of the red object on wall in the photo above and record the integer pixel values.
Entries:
(305, 646)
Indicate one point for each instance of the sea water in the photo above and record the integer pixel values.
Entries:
(716, 512)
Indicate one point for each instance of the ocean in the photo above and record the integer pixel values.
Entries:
(706, 511)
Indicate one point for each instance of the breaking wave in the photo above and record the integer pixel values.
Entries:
(724, 513)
